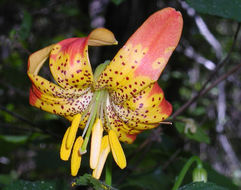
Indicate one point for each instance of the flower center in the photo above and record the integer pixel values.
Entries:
(97, 109)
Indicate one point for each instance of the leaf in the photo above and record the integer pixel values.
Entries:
(88, 180)
(37, 185)
(187, 125)
(202, 186)
(14, 139)
(224, 8)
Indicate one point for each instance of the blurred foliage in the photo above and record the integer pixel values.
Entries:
(30, 138)
(223, 8)
(202, 186)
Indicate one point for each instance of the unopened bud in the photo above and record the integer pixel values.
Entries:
(199, 174)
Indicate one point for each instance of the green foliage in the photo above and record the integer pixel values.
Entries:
(202, 186)
(224, 8)
(88, 180)
(37, 185)
(189, 128)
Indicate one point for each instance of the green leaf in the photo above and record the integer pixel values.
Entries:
(14, 138)
(224, 8)
(188, 128)
(202, 186)
(88, 180)
(37, 185)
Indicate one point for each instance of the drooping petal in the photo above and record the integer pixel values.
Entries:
(64, 151)
(104, 151)
(76, 156)
(97, 132)
(69, 60)
(124, 133)
(52, 98)
(116, 149)
(37, 59)
(142, 59)
(144, 111)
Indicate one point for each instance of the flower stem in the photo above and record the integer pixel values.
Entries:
(108, 171)
(185, 169)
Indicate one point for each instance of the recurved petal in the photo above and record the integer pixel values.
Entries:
(146, 108)
(142, 59)
(124, 132)
(69, 60)
(37, 59)
(52, 98)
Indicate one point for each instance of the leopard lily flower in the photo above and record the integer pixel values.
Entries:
(120, 100)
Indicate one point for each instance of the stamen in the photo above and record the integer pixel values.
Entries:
(116, 149)
(104, 151)
(94, 110)
(76, 157)
(97, 133)
(64, 152)
(72, 131)
(105, 111)
(88, 122)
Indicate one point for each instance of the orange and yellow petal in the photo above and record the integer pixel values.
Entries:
(69, 63)
(149, 106)
(142, 59)
(52, 98)
(124, 132)
(69, 59)
(37, 59)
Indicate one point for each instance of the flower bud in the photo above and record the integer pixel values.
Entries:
(199, 174)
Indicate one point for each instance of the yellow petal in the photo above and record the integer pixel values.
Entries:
(76, 156)
(73, 130)
(100, 37)
(96, 137)
(64, 152)
(117, 150)
(104, 151)
(37, 59)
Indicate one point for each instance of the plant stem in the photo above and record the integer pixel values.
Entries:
(108, 171)
(185, 169)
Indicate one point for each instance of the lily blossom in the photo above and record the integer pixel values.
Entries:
(116, 103)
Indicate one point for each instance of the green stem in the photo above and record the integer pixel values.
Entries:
(185, 169)
(108, 171)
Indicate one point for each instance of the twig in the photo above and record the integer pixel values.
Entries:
(203, 90)
(21, 118)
